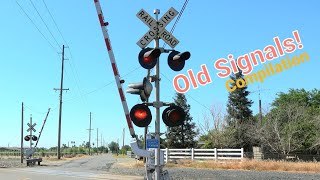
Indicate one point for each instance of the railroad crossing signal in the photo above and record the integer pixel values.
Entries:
(140, 115)
(148, 57)
(28, 137)
(173, 116)
(152, 24)
(31, 127)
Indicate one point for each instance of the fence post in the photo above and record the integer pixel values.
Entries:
(192, 154)
(167, 155)
(241, 153)
(215, 154)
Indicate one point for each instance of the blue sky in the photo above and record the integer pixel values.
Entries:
(31, 64)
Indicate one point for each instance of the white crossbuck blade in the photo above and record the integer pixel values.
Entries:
(152, 24)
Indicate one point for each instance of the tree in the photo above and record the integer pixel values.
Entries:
(182, 136)
(238, 106)
(288, 128)
(293, 124)
(214, 132)
(239, 114)
(114, 147)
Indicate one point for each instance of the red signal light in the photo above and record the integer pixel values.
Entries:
(140, 115)
(27, 138)
(173, 116)
(147, 60)
(148, 57)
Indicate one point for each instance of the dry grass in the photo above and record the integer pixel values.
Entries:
(251, 165)
(119, 156)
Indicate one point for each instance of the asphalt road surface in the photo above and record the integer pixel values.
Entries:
(95, 167)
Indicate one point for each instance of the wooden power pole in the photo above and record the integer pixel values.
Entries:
(21, 149)
(60, 109)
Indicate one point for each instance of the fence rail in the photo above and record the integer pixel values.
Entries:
(215, 154)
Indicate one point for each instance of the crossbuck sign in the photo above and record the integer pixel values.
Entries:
(31, 127)
(154, 29)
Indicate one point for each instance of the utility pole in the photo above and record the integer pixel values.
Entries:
(60, 109)
(97, 141)
(21, 149)
(90, 134)
(123, 138)
(260, 108)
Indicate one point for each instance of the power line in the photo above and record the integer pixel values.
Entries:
(99, 88)
(44, 23)
(73, 69)
(36, 27)
(189, 95)
(54, 22)
(177, 20)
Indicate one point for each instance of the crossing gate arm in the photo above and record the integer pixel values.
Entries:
(103, 25)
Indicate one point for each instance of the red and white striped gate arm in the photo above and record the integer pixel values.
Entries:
(114, 66)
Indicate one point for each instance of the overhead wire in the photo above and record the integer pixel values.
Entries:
(45, 4)
(44, 23)
(177, 20)
(109, 83)
(25, 13)
(188, 95)
(73, 69)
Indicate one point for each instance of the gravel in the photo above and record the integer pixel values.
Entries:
(193, 173)
(11, 163)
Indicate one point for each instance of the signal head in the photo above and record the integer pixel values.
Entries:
(176, 60)
(173, 116)
(143, 89)
(34, 138)
(140, 115)
(27, 138)
(148, 57)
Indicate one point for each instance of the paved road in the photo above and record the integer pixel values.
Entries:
(95, 167)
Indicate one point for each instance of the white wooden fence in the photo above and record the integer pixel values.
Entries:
(215, 154)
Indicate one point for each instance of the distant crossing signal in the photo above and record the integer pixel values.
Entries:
(34, 138)
(27, 138)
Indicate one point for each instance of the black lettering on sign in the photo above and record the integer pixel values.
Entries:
(146, 38)
(168, 38)
(160, 25)
(148, 19)
(151, 33)
(141, 13)
(165, 19)
(171, 13)
(141, 42)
